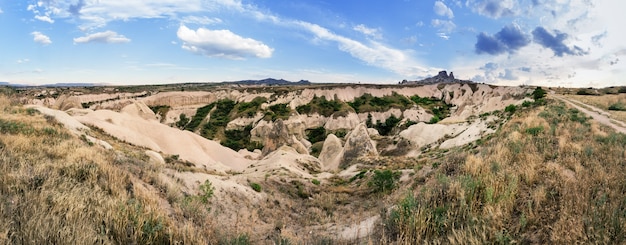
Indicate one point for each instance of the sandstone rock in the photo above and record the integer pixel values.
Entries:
(348, 122)
(139, 109)
(332, 153)
(358, 144)
(287, 160)
(372, 132)
(280, 134)
(155, 158)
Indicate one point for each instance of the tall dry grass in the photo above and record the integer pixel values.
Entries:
(549, 176)
(57, 189)
(604, 102)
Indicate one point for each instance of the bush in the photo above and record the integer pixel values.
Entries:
(201, 113)
(622, 90)
(206, 191)
(183, 120)
(585, 92)
(539, 93)
(511, 108)
(279, 111)
(256, 187)
(527, 103)
(617, 107)
(315, 181)
(316, 135)
(384, 181)
(386, 127)
(249, 109)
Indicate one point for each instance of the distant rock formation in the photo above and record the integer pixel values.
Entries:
(278, 136)
(441, 77)
(358, 144)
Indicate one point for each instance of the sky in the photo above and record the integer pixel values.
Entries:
(567, 43)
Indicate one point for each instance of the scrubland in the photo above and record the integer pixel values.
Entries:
(549, 175)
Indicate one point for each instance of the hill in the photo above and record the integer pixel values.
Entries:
(448, 163)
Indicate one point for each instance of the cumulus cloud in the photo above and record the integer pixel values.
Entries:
(441, 9)
(41, 38)
(371, 32)
(1, 11)
(508, 75)
(510, 39)
(493, 8)
(222, 44)
(102, 37)
(44, 18)
(444, 25)
(555, 42)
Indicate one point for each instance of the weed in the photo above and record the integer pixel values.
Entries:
(256, 186)
(384, 181)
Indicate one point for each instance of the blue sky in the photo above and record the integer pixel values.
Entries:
(572, 43)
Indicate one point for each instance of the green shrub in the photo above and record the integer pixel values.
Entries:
(316, 135)
(510, 108)
(617, 107)
(279, 111)
(384, 181)
(585, 92)
(386, 127)
(249, 109)
(434, 119)
(201, 113)
(183, 120)
(256, 187)
(206, 191)
(534, 131)
(527, 103)
(622, 90)
(315, 181)
(369, 103)
(539, 93)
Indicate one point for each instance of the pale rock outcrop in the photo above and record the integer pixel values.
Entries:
(472, 133)
(380, 116)
(416, 114)
(281, 134)
(287, 159)
(422, 134)
(241, 122)
(350, 121)
(358, 144)
(139, 109)
(373, 132)
(155, 158)
(162, 138)
(332, 153)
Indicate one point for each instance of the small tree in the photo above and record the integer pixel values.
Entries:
(206, 191)
(539, 93)
(384, 181)
(183, 121)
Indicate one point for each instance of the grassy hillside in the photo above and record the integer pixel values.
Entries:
(549, 176)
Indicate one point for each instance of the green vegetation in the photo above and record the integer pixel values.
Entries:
(182, 122)
(206, 191)
(539, 93)
(585, 92)
(369, 103)
(256, 187)
(240, 139)
(385, 128)
(160, 110)
(321, 105)
(510, 108)
(278, 111)
(219, 118)
(622, 90)
(384, 181)
(197, 118)
(618, 107)
(316, 134)
(249, 109)
(315, 182)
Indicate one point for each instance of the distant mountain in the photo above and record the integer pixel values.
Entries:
(53, 85)
(269, 81)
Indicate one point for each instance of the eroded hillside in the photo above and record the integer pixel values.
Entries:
(315, 164)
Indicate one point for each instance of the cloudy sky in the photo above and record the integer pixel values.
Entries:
(573, 43)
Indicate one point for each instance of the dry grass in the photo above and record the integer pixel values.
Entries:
(549, 176)
(57, 189)
(603, 102)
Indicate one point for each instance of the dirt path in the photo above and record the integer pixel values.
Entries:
(596, 113)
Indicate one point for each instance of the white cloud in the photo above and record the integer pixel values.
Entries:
(371, 32)
(1, 11)
(202, 20)
(44, 18)
(445, 26)
(102, 37)
(374, 54)
(222, 44)
(441, 9)
(40, 38)
(21, 61)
